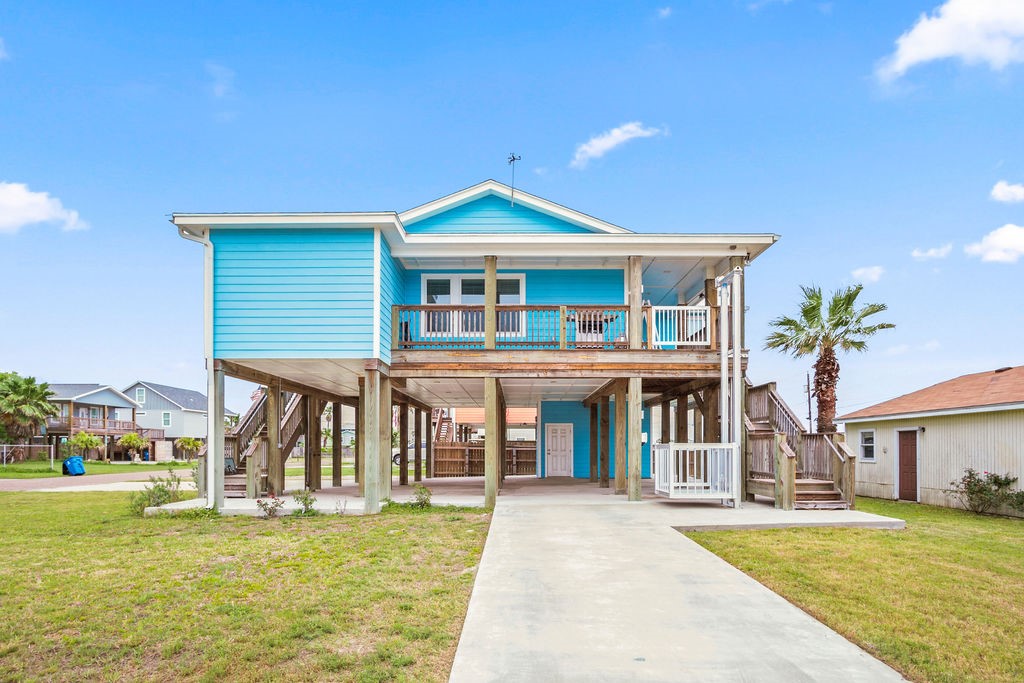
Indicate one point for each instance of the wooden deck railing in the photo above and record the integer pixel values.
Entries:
(550, 327)
(466, 459)
(99, 425)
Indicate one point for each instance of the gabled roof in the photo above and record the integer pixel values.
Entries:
(186, 399)
(1001, 389)
(80, 392)
(490, 188)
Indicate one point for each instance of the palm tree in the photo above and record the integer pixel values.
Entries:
(824, 330)
(24, 405)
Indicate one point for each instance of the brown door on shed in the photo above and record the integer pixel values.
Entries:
(908, 465)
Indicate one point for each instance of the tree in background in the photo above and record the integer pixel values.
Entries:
(823, 330)
(134, 444)
(83, 442)
(24, 406)
(189, 445)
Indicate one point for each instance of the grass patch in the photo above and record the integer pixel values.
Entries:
(942, 600)
(91, 593)
(38, 469)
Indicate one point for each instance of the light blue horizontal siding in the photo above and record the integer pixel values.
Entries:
(579, 415)
(292, 293)
(544, 287)
(392, 277)
(492, 214)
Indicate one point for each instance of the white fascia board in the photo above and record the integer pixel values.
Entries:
(934, 413)
(275, 220)
(603, 245)
(494, 187)
(164, 396)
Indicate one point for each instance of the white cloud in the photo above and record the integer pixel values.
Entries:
(541, 170)
(931, 345)
(897, 350)
(868, 274)
(1002, 245)
(20, 207)
(974, 31)
(664, 12)
(758, 4)
(1007, 192)
(599, 145)
(223, 79)
(932, 253)
(3, 51)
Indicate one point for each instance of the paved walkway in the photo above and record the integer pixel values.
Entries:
(90, 482)
(593, 588)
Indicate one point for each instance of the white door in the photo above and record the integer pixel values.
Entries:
(558, 449)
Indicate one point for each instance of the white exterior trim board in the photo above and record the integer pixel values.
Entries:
(935, 413)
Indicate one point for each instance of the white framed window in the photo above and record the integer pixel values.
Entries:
(467, 289)
(140, 395)
(867, 445)
(165, 418)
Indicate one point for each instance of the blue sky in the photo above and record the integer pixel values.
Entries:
(860, 131)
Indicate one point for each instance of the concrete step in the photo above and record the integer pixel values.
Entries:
(821, 505)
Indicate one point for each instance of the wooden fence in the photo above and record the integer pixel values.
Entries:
(466, 459)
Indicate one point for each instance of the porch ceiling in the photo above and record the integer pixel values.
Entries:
(341, 377)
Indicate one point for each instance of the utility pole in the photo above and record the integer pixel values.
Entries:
(810, 425)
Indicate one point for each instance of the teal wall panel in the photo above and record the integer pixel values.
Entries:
(492, 214)
(293, 293)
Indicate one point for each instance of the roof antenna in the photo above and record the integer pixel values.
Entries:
(512, 159)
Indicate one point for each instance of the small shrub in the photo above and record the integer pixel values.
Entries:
(160, 491)
(270, 506)
(305, 500)
(421, 496)
(986, 491)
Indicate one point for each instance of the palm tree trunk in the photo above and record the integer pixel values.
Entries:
(826, 378)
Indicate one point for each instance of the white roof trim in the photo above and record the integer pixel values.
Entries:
(165, 396)
(935, 413)
(493, 187)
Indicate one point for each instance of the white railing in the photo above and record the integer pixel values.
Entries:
(697, 470)
(679, 326)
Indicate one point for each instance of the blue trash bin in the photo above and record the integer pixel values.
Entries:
(73, 466)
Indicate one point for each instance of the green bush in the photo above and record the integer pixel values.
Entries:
(161, 491)
(421, 496)
(986, 491)
(306, 501)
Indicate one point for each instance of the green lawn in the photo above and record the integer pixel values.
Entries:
(35, 469)
(942, 600)
(90, 593)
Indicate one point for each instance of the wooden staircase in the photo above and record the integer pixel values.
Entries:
(820, 463)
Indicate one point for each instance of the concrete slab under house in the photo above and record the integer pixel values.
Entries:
(627, 347)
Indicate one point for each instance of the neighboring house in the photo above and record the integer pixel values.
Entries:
(492, 299)
(178, 412)
(912, 447)
(98, 409)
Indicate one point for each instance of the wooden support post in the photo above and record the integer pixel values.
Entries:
(593, 442)
(635, 274)
(562, 315)
(621, 433)
(634, 400)
(490, 302)
(492, 443)
(275, 465)
(845, 473)
(711, 299)
(502, 435)
(430, 444)
(418, 448)
(215, 442)
(682, 415)
(370, 403)
(336, 461)
(315, 446)
(606, 410)
(785, 475)
(666, 422)
(386, 425)
(360, 460)
(403, 445)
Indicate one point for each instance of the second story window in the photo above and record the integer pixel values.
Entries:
(166, 418)
(468, 290)
(140, 395)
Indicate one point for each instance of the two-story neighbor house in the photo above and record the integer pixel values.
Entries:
(98, 409)
(178, 412)
(491, 300)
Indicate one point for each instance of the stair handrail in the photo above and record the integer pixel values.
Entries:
(292, 422)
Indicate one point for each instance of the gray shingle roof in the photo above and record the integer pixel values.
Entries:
(65, 392)
(186, 398)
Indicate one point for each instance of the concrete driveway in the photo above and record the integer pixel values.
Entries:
(590, 587)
